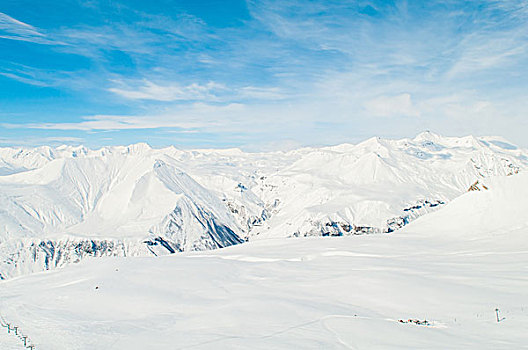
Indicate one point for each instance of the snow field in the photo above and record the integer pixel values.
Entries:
(335, 293)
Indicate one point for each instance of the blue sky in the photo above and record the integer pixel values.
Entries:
(260, 74)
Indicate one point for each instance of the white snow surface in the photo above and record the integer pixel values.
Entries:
(453, 267)
(59, 205)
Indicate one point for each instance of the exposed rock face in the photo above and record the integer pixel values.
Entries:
(478, 186)
(343, 228)
(28, 256)
(190, 227)
(22, 257)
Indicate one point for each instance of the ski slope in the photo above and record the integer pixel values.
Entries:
(453, 268)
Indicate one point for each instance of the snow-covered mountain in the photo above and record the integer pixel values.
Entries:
(380, 185)
(453, 279)
(58, 205)
(109, 203)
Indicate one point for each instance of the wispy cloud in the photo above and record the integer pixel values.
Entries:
(147, 37)
(191, 117)
(41, 77)
(11, 28)
(208, 92)
(262, 93)
(148, 90)
(317, 70)
(302, 123)
(50, 140)
(391, 106)
(26, 79)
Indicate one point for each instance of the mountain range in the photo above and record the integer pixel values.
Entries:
(60, 205)
(454, 278)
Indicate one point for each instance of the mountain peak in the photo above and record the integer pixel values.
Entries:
(138, 148)
(427, 136)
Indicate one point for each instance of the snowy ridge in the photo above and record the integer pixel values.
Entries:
(161, 201)
(114, 204)
(380, 185)
(456, 279)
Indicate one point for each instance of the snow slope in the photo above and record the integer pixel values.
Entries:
(380, 185)
(452, 268)
(139, 203)
(59, 205)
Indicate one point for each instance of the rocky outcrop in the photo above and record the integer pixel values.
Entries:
(345, 228)
(28, 256)
(477, 186)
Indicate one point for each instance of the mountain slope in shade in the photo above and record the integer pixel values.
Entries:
(160, 201)
(453, 268)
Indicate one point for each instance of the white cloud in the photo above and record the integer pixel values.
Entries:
(195, 116)
(483, 52)
(209, 92)
(324, 65)
(32, 141)
(148, 90)
(260, 93)
(13, 29)
(24, 79)
(389, 106)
